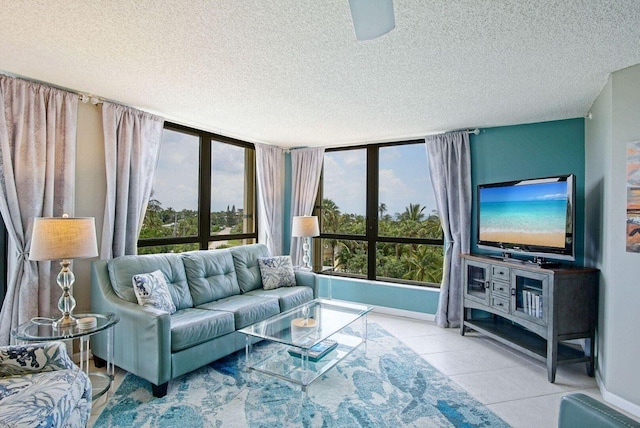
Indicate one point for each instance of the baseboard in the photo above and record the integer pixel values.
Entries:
(613, 399)
(404, 313)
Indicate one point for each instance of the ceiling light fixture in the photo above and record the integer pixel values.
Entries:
(372, 18)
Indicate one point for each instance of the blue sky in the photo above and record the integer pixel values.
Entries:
(176, 181)
(532, 192)
(403, 174)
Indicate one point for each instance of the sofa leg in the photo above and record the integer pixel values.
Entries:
(159, 391)
(99, 362)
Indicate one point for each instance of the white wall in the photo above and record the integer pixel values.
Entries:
(616, 121)
(90, 190)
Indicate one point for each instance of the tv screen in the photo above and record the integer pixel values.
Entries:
(533, 217)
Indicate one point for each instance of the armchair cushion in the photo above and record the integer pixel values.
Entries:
(33, 358)
(40, 386)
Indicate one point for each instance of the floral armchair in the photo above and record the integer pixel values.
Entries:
(40, 386)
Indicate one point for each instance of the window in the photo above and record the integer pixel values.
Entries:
(203, 193)
(378, 214)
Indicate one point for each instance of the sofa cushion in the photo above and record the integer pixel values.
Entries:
(152, 290)
(276, 272)
(288, 297)
(245, 259)
(122, 269)
(190, 327)
(210, 275)
(246, 309)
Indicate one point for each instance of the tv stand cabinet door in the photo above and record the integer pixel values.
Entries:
(477, 281)
(531, 296)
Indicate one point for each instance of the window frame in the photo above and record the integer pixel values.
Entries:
(371, 237)
(204, 236)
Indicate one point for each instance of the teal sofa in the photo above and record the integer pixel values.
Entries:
(40, 386)
(578, 410)
(216, 292)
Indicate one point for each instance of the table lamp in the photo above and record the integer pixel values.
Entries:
(305, 227)
(64, 238)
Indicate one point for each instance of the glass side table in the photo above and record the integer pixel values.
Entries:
(41, 330)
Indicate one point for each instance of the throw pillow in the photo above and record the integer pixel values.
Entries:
(276, 272)
(152, 290)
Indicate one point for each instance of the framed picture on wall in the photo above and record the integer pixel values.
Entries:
(633, 197)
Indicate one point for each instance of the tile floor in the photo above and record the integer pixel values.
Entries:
(512, 385)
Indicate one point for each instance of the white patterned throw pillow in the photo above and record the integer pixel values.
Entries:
(276, 272)
(152, 290)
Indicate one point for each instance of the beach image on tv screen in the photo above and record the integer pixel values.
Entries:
(533, 214)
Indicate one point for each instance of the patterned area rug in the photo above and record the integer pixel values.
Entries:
(389, 386)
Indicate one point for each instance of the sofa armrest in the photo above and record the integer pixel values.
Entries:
(142, 338)
(34, 358)
(580, 410)
(308, 279)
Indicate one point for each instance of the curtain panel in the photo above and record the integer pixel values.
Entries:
(37, 179)
(306, 168)
(131, 145)
(450, 169)
(270, 177)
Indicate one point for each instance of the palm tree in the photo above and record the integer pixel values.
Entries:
(330, 223)
(425, 263)
(414, 212)
(382, 208)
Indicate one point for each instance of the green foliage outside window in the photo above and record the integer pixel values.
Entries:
(407, 261)
(162, 222)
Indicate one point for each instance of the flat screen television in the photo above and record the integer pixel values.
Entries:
(532, 217)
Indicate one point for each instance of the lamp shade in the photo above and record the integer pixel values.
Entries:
(58, 238)
(305, 226)
(372, 18)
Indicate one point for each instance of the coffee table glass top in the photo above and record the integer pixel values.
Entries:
(309, 324)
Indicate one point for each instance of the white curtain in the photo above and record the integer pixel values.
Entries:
(450, 168)
(306, 168)
(131, 145)
(37, 179)
(270, 176)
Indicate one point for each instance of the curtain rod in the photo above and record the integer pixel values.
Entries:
(84, 97)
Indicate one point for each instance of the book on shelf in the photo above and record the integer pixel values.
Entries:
(532, 303)
(317, 351)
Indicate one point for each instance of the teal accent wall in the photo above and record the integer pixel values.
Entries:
(497, 154)
(530, 151)
(407, 298)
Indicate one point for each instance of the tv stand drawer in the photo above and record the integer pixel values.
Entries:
(500, 288)
(500, 303)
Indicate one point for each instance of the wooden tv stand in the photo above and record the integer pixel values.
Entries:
(532, 309)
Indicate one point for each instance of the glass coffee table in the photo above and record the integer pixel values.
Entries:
(313, 338)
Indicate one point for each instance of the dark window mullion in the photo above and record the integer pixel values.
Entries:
(372, 209)
(204, 219)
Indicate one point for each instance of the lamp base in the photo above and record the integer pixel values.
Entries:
(67, 321)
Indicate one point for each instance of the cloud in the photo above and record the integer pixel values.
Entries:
(345, 175)
(176, 181)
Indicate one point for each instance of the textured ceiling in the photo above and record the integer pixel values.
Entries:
(291, 73)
